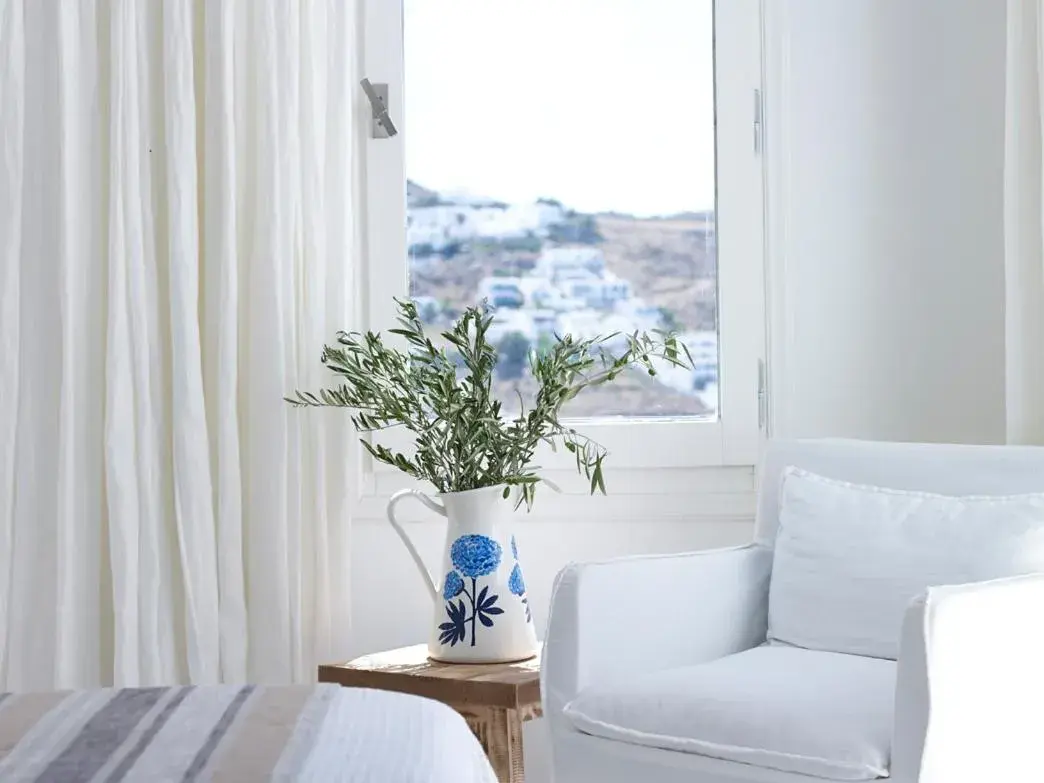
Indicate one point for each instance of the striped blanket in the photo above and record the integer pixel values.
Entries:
(232, 734)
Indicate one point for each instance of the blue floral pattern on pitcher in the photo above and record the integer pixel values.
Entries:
(473, 556)
(516, 582)
(453, 586)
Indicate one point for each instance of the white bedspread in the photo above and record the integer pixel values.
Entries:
(381, 737)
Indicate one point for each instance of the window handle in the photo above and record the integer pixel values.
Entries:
(383, 127)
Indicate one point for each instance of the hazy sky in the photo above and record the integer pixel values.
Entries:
(603, 104)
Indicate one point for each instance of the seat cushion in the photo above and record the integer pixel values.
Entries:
(815, 713)
(850, 558)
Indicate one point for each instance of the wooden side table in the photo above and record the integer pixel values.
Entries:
(493, 698)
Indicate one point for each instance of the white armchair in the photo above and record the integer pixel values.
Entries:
(638, 647)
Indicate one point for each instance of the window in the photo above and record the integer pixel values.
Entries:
(588, 167)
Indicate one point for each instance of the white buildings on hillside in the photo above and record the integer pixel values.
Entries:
(502, 292)
(542, 293)
(512, 322)
(520, 220)
(438, 226)
(564, 278)
(597, 293)
(703, 347)
(570, 290)
(558, 263)
(441, 225)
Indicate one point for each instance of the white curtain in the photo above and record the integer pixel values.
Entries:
(177, 183)
(1024, 222)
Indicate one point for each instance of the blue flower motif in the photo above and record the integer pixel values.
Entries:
(474, 555)
(514, 548)
(456, 629)
(453, 586)
(516, 584)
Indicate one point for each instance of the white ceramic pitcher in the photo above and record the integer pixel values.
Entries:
(482, 612)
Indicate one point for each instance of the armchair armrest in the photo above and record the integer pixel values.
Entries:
(639, 614)
(970, 687)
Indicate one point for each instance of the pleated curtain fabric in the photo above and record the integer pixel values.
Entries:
(1024, 222)
(179, 182)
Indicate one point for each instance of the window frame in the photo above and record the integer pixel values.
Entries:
(736, 437)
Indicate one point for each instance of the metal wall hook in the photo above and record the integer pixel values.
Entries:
(383, 127)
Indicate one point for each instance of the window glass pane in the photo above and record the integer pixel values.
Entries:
(560, 164)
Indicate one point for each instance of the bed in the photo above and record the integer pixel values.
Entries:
(235, 734)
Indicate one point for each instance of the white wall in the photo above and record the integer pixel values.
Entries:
(885, 142)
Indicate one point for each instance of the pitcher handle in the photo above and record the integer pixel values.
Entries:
(402, 494)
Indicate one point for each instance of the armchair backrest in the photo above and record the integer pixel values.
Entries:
(944, 469)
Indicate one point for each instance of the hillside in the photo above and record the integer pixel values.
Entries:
(654, 272)
(666, 260)
(419, 196)
(668, 263)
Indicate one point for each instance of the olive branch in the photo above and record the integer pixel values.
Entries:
(445, 398)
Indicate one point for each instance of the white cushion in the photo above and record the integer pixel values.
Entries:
(942, 468)
(813, 713)
(850, 558)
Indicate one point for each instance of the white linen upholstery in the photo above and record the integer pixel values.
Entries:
(969, 684)
(818, 713)
(859, 554)
(944, 469)
(612, 620)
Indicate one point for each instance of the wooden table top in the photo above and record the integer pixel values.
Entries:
(410, 670)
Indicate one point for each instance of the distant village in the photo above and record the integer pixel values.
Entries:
(566, 289)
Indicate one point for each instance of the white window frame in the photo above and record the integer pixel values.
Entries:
(637, 444)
